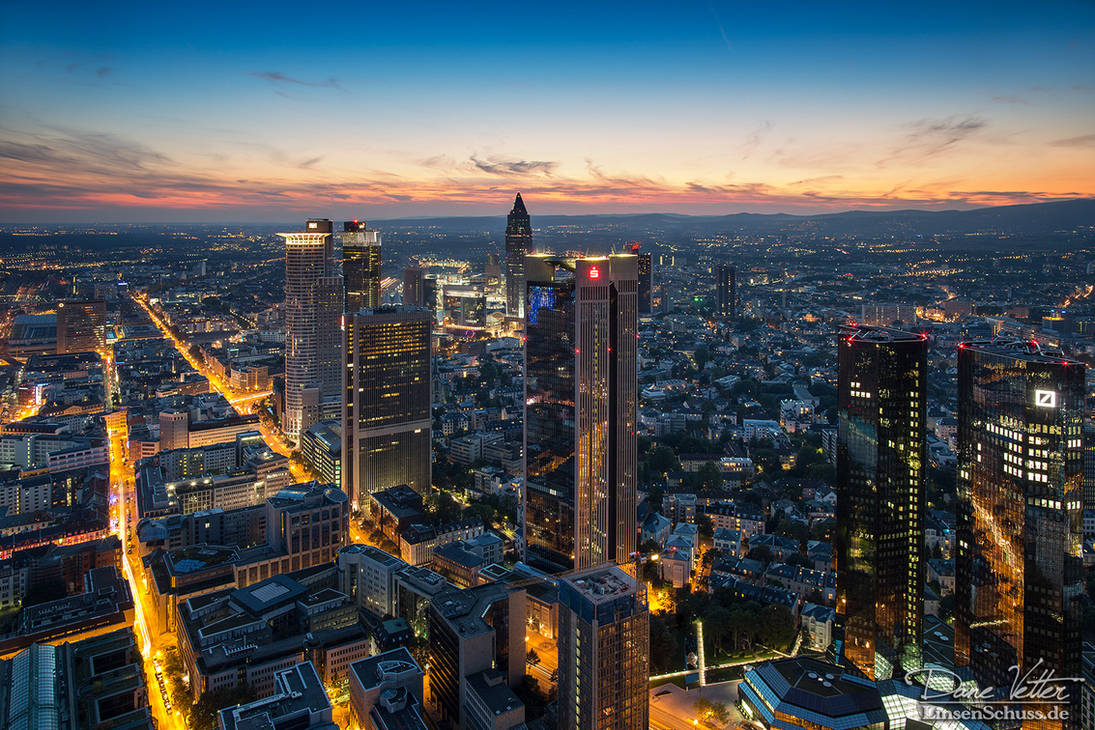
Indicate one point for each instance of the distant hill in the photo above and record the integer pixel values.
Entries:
(1036, 226)
(1028, 219)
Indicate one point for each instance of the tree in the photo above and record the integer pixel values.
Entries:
(701, 356)
(662, 460)
(709, 478)
(716, 626)
(442, 507)
(203, 713)
(776, 628)
(713, 714)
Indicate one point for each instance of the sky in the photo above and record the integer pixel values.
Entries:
(232, 111)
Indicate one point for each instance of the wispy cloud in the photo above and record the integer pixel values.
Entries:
(276, 77)
(86, 170)
(928, 138)
(753, 140)
(1086, 140)
(502, 166)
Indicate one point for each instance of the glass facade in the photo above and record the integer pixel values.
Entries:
(1018, 565)
(880, 499)
(313, 308)
(549, 422)
(580, 411)
(81, 326)
(387, 418)
(604, 651)
(646, 283)
(726, 292)
(361, 266)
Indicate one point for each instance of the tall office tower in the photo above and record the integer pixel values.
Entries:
(1018, 567)
(360, 266)
(646, 281)
(81, 326)
(414, 286)
(386, 406)
(313, 310)
(1089, 467)
(518, 245)
(880, 498)
(580, 411)
(726, 292)
(493, 266)
(604, 650)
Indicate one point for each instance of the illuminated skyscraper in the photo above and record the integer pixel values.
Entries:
(313, 308)
(1018, 566)
(386, 407)
(360, 266)
(880, 466)
(518, 245)
(580, 411)
(604, 651)
(81, 326)
(726, 291)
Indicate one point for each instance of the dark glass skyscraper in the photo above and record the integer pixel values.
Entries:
(1018, 566)
(580, 412)
(414, 286)
(386, 422)
(518, 245)
(880, 466)
(360, 266)
(726, 293)
(646, 282)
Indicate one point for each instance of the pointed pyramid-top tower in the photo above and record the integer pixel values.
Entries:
(518, 245)
(518, 206)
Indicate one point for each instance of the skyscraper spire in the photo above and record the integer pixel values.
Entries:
(518, 245)
(518, 206)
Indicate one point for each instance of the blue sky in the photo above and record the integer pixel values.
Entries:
(238, 112)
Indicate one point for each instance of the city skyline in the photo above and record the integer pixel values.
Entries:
(821, 110)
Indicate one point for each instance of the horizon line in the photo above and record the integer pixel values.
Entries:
(877, 211)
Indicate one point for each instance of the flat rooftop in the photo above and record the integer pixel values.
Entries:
(1017, 349)
(390, 665)
(602, 583)
(876, 335)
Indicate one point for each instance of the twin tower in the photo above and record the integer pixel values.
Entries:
(349, 358)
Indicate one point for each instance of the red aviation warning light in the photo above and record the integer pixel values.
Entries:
(594, 272)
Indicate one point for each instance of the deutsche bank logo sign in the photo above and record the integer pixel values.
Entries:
(1045, 398)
